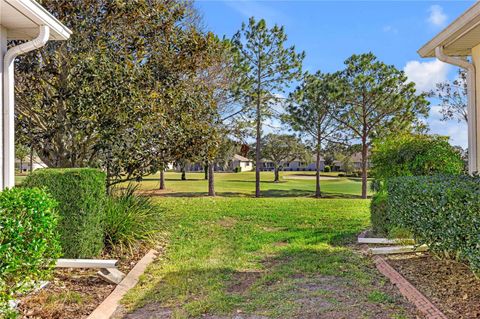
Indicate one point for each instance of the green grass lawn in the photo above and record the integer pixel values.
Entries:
(292, 184)
(262, 258)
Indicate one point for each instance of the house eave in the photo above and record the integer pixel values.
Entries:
(32, 15)
(459, 37)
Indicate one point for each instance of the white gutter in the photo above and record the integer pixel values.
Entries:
(8, 112)
(471, 108)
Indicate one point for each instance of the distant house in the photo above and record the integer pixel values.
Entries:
(295, 165)
(36, 164)
(244, 164)
(301, 165)
(236, 163)
(356, 161)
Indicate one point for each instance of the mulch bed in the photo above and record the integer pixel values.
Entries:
(75, 293)
(450, 285)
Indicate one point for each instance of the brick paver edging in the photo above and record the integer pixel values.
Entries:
(408, 290)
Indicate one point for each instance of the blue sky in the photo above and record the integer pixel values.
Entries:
(331, 31)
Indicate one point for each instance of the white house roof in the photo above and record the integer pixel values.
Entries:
(22, 18)
(459, 37)
(241, 158)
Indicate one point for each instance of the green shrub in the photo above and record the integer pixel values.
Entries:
(440, 211)
(237, 169)
(81, 195)
(415, 155)
(327, 169)
(29, 243)
(379, 214)
(129, 218)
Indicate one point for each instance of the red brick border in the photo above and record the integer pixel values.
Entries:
(408, 290)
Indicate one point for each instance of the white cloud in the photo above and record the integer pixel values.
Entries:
(437, 17)
(426, 74)
(390, 29)
(455, 130)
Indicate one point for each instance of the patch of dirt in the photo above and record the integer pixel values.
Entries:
(332, 297)
(74, 293)
(227, 222)
(150, 311)
(242, 281)
(450, 285)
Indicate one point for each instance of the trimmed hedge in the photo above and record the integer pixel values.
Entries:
(29, 243)
(440, 211)
(379, 214)
(81, 194)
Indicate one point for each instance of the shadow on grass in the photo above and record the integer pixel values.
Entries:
(217, 290)
(269, 193)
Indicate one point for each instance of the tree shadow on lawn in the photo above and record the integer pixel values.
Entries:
(268, 193)
(319, 282)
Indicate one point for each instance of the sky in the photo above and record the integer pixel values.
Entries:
(331, 31)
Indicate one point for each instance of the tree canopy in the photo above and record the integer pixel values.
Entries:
(374, 100)
(266, 67)
(124, 93)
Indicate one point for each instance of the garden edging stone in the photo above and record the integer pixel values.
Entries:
(108, 307)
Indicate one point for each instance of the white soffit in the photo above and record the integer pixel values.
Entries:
(22, 19)
(459, 37)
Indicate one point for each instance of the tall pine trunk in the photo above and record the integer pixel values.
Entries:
(184, 174)
(277, 174)
(257, 150)
(364, 167)
(205, 170)
(31, 158)
(211, 180)
(318, 192)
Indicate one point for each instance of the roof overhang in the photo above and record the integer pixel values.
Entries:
(22, 18)
(459, 37)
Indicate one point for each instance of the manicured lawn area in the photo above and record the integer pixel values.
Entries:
(292, 184)
(262, 258)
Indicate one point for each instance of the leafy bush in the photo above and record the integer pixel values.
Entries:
(442, 211)
(379, 214)
(415, 155)
(129, 218)
(327, 169)
(237, 169)
(81, 195)
(29, 243)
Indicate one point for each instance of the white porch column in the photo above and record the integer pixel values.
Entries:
(474, 118)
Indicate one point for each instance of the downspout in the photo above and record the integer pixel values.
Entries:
(473, 138)
(8, 111)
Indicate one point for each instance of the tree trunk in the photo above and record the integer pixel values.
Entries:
(277, 175)
(211, 180)
(318, 192)
(257, 150)
(31, 159)
(205, 170)
(21, 164)
(364, 167)
(184, 174)
(162, 178)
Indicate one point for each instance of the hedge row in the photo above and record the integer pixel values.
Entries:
(440, 211)
(28, 241)
(81, 195)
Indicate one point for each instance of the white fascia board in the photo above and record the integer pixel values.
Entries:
(463, 24)
(41, 16)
